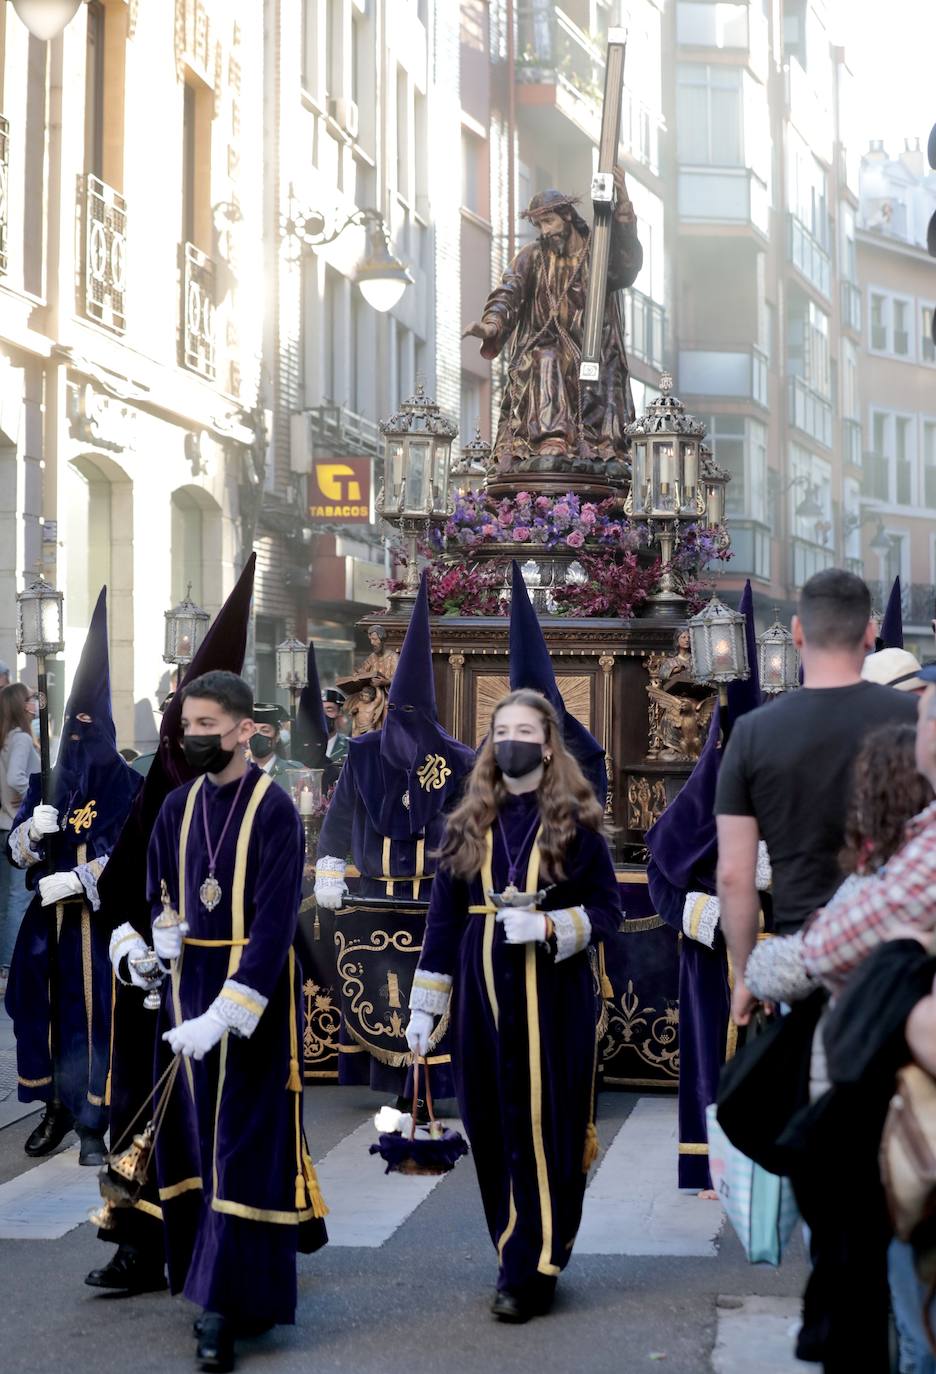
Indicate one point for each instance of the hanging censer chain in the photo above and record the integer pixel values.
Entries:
(210, 890)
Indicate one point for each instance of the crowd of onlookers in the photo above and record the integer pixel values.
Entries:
(838, 779)
(19, 757)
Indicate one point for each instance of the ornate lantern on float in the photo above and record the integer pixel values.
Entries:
(666, 443)
(778, 661)
(718, 644)
(469, 474)
(415, 491)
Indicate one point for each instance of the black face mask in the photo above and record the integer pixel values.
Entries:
(517, 757)
(205, 754)
(261, 746)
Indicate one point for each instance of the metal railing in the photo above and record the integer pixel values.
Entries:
(808, 256)
(4, 188)
(105, 254)
(850, 296)
(198, 311)
(644, 327)
(810, 412)
(807, 558)
(337, 429)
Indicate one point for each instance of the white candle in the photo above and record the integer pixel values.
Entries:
(306, 804)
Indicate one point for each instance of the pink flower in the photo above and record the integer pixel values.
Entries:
(576, 539)
(588, 516)
(488, 531)
(521, 533)
(523, 498)
(561, 511)
(542, 503)
(507, 517)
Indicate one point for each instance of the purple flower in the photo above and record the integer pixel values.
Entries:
(588, 516)
(521, 533)
(562, 510)
(523, 498)
(488, 531)
(576, 539)
(506, 517)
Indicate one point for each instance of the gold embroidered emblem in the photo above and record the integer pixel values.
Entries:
(434, 773)
(82, 818)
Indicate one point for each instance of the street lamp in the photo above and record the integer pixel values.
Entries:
(417, 455)
(469, 474)
(292, 669)
(778, 661)
(665, 466)
(882, 541)
(718, 644)
(380, 274)
(40, 633)
(46, 19)
(185, 629)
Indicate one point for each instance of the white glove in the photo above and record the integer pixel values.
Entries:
(330, 886)
(44, 821)
(522, 925)
(57, 886)
(196, 1037)
(167, 942)
(125, 940)
(418, 1032)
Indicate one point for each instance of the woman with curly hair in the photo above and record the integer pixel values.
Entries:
(518, 982)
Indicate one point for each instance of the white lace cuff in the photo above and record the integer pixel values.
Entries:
(430, 992)
(330, 872)
(776, 972)
(24, 856)
(239, 1007)
(573, 931)
(125, 940)
(763, 873)
(88, 874)
(700, 918)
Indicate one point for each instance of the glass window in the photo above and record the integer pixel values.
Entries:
(709, 115)
(901, 328)
(929, 463)
(927, 346)
(903, 437)
(878, 322)
(471, 172)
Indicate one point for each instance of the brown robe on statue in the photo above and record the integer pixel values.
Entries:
(546, 422)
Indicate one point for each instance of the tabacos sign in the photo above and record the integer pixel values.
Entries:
(340, 490)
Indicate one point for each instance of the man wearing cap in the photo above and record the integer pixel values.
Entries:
(337, 745)
(894, 668)
(548, 421)
(261, 747)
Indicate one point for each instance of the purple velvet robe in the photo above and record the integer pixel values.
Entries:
(524, 1032)
(232, 1161)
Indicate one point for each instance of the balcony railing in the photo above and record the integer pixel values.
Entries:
(198, 311)
(807, 558)
(851, 306)
(717, 372)
(851, 442)
(808, 256)
(810, 412)
(644, 327)
(640, 130)
(723, 195)
(105, 254)
(4, 188)
(335, 429)
(875, 477)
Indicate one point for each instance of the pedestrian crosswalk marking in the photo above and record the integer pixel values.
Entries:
(46, 1202)
(633, 1206)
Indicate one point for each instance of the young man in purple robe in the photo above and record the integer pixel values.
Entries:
(237, 1186)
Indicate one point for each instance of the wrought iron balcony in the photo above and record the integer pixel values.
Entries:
(807, 558)
(644, 327)
(198, 310)
(4, 188)
(336, 429)
(105, 254)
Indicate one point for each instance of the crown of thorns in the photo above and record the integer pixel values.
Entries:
(547, 203)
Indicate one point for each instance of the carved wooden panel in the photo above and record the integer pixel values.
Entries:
(574, 688)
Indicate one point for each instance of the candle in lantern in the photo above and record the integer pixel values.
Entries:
(722, 660)
(776, 667)
(666, 466)
(306, 803)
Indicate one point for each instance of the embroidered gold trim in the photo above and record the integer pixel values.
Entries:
(487, 945)
(420, 866)
(639, 923)
(640, 878)
(385, 864)
(545, 1265)
(693, 1149)
(241, 1000)
(240, 1209)
(176, 968)
(33, 1082)
(430, 984)
(87, 982)
(176, 1189)
(509, 1228)
(212, 944)
(149, 1208)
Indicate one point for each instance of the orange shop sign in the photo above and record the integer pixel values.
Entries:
(340, 489)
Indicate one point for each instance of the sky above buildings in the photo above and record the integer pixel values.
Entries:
(890, 48)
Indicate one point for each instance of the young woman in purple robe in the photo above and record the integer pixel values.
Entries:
(518, 982)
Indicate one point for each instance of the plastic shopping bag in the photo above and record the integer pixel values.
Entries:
(760, 1206)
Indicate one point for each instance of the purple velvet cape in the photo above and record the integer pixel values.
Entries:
(228, 1153)
(524, 1025)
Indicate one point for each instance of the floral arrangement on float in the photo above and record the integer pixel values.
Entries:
(612, 574)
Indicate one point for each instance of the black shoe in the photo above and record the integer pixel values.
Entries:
(52, 1129)
(215, 1350)
(542, 1292)
(91, 1149)
(130, 1271)
(508, 1306)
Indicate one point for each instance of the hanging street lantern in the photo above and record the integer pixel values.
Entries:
(46, 19)
(778, 661)
(718, 644)
(666, 443)
(186, 626)
(40, 632)
(292, 668)
(415, 491)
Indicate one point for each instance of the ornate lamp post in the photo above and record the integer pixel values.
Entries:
(186, 625)
(292, 667)
(718, 645)
(380, 275)
(665, 483)
(414, 495)
(777, 660)
(40, 633)
(469, 474)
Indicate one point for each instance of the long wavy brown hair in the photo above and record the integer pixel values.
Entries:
(13, 713)
(565, 798)
(886, 791)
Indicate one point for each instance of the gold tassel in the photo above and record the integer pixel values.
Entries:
(294, 1082)
(319, 1209)
(300, 1193)
(591, 1147)
(607, 989)
(107, 1090)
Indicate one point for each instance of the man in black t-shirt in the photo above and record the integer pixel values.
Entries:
(787, 768)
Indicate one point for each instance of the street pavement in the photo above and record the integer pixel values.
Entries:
(656, 1282)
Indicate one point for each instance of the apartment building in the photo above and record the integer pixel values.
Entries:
(130, 321)
(897, 383)
(362, 118)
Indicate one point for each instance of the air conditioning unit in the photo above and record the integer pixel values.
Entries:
(345, 113)
(300, 443)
